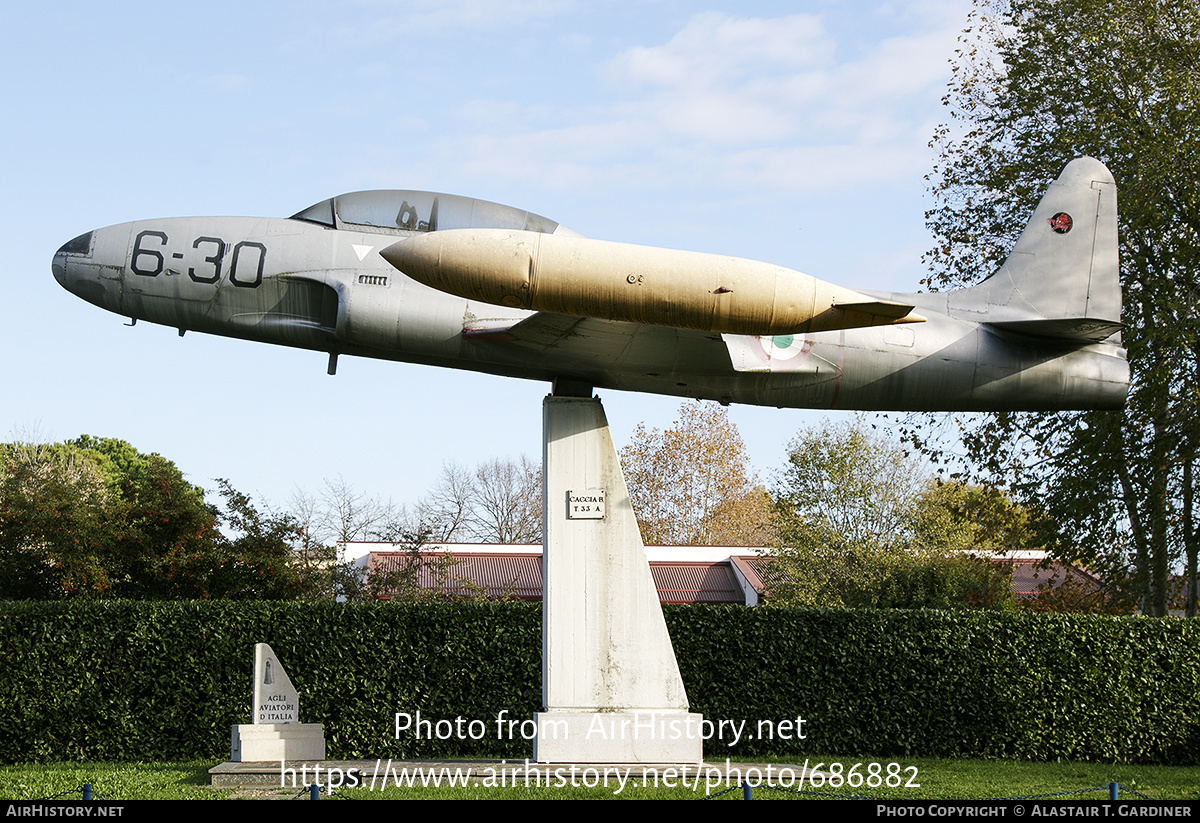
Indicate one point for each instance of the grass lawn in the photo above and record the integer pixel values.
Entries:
(937, 779)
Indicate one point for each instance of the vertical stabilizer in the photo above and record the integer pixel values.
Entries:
(1062, 278)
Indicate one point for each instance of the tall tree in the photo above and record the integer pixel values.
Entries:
(1035, 83)
(163, 537)
(842, 499)
(499, 502)
(506, 502)
(257, 562)
(52, 504)
(862, 525)
(845, 484)
(94, 517)
(446, 511)
(962, 517)
(690, 485)
(339, 513)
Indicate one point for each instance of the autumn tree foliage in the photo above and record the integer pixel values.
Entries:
(95, 518)
(863, 524)
(844, 484)
(1035, 84)
(52, 500)
(690, 485)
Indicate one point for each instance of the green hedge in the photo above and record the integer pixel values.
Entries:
(137, 680)
(940, 683)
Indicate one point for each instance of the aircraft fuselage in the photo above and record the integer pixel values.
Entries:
(325, 287)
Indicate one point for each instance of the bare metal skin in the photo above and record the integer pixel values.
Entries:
(1043, 333)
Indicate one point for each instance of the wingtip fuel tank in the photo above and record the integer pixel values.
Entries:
(578, 276)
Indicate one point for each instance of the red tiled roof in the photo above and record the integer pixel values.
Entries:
(1028, 576)
(752, 568)
(472, 573)
(679, 582)
(519, 575)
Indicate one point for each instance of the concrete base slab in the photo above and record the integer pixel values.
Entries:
(253, 742)
(618, 737)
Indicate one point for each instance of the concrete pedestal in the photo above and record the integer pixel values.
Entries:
(610, 684)
(255, 742)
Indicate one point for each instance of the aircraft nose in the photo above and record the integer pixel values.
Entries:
(78, 246)
(59, 267)
(77, 269)
(81, 245)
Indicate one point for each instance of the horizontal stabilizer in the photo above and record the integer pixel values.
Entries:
(1082, 330)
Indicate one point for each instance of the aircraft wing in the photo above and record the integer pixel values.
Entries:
(585, 337)
(611, 352)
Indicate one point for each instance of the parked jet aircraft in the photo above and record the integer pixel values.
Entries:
(451, 281)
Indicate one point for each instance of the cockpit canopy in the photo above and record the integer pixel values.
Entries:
(402, 211)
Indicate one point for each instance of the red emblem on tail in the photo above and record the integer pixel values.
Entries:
(1061, 223)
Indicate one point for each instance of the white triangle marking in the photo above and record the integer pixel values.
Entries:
(361, 251)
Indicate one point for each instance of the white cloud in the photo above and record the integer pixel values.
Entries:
(749, 103)
(753, 81)
(714, 50)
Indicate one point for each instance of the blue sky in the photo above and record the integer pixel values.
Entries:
(795, 133)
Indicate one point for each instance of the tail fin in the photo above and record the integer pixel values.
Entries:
(1062, 279)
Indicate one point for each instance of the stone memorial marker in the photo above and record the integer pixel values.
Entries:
(275, 698)
(276, 733)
